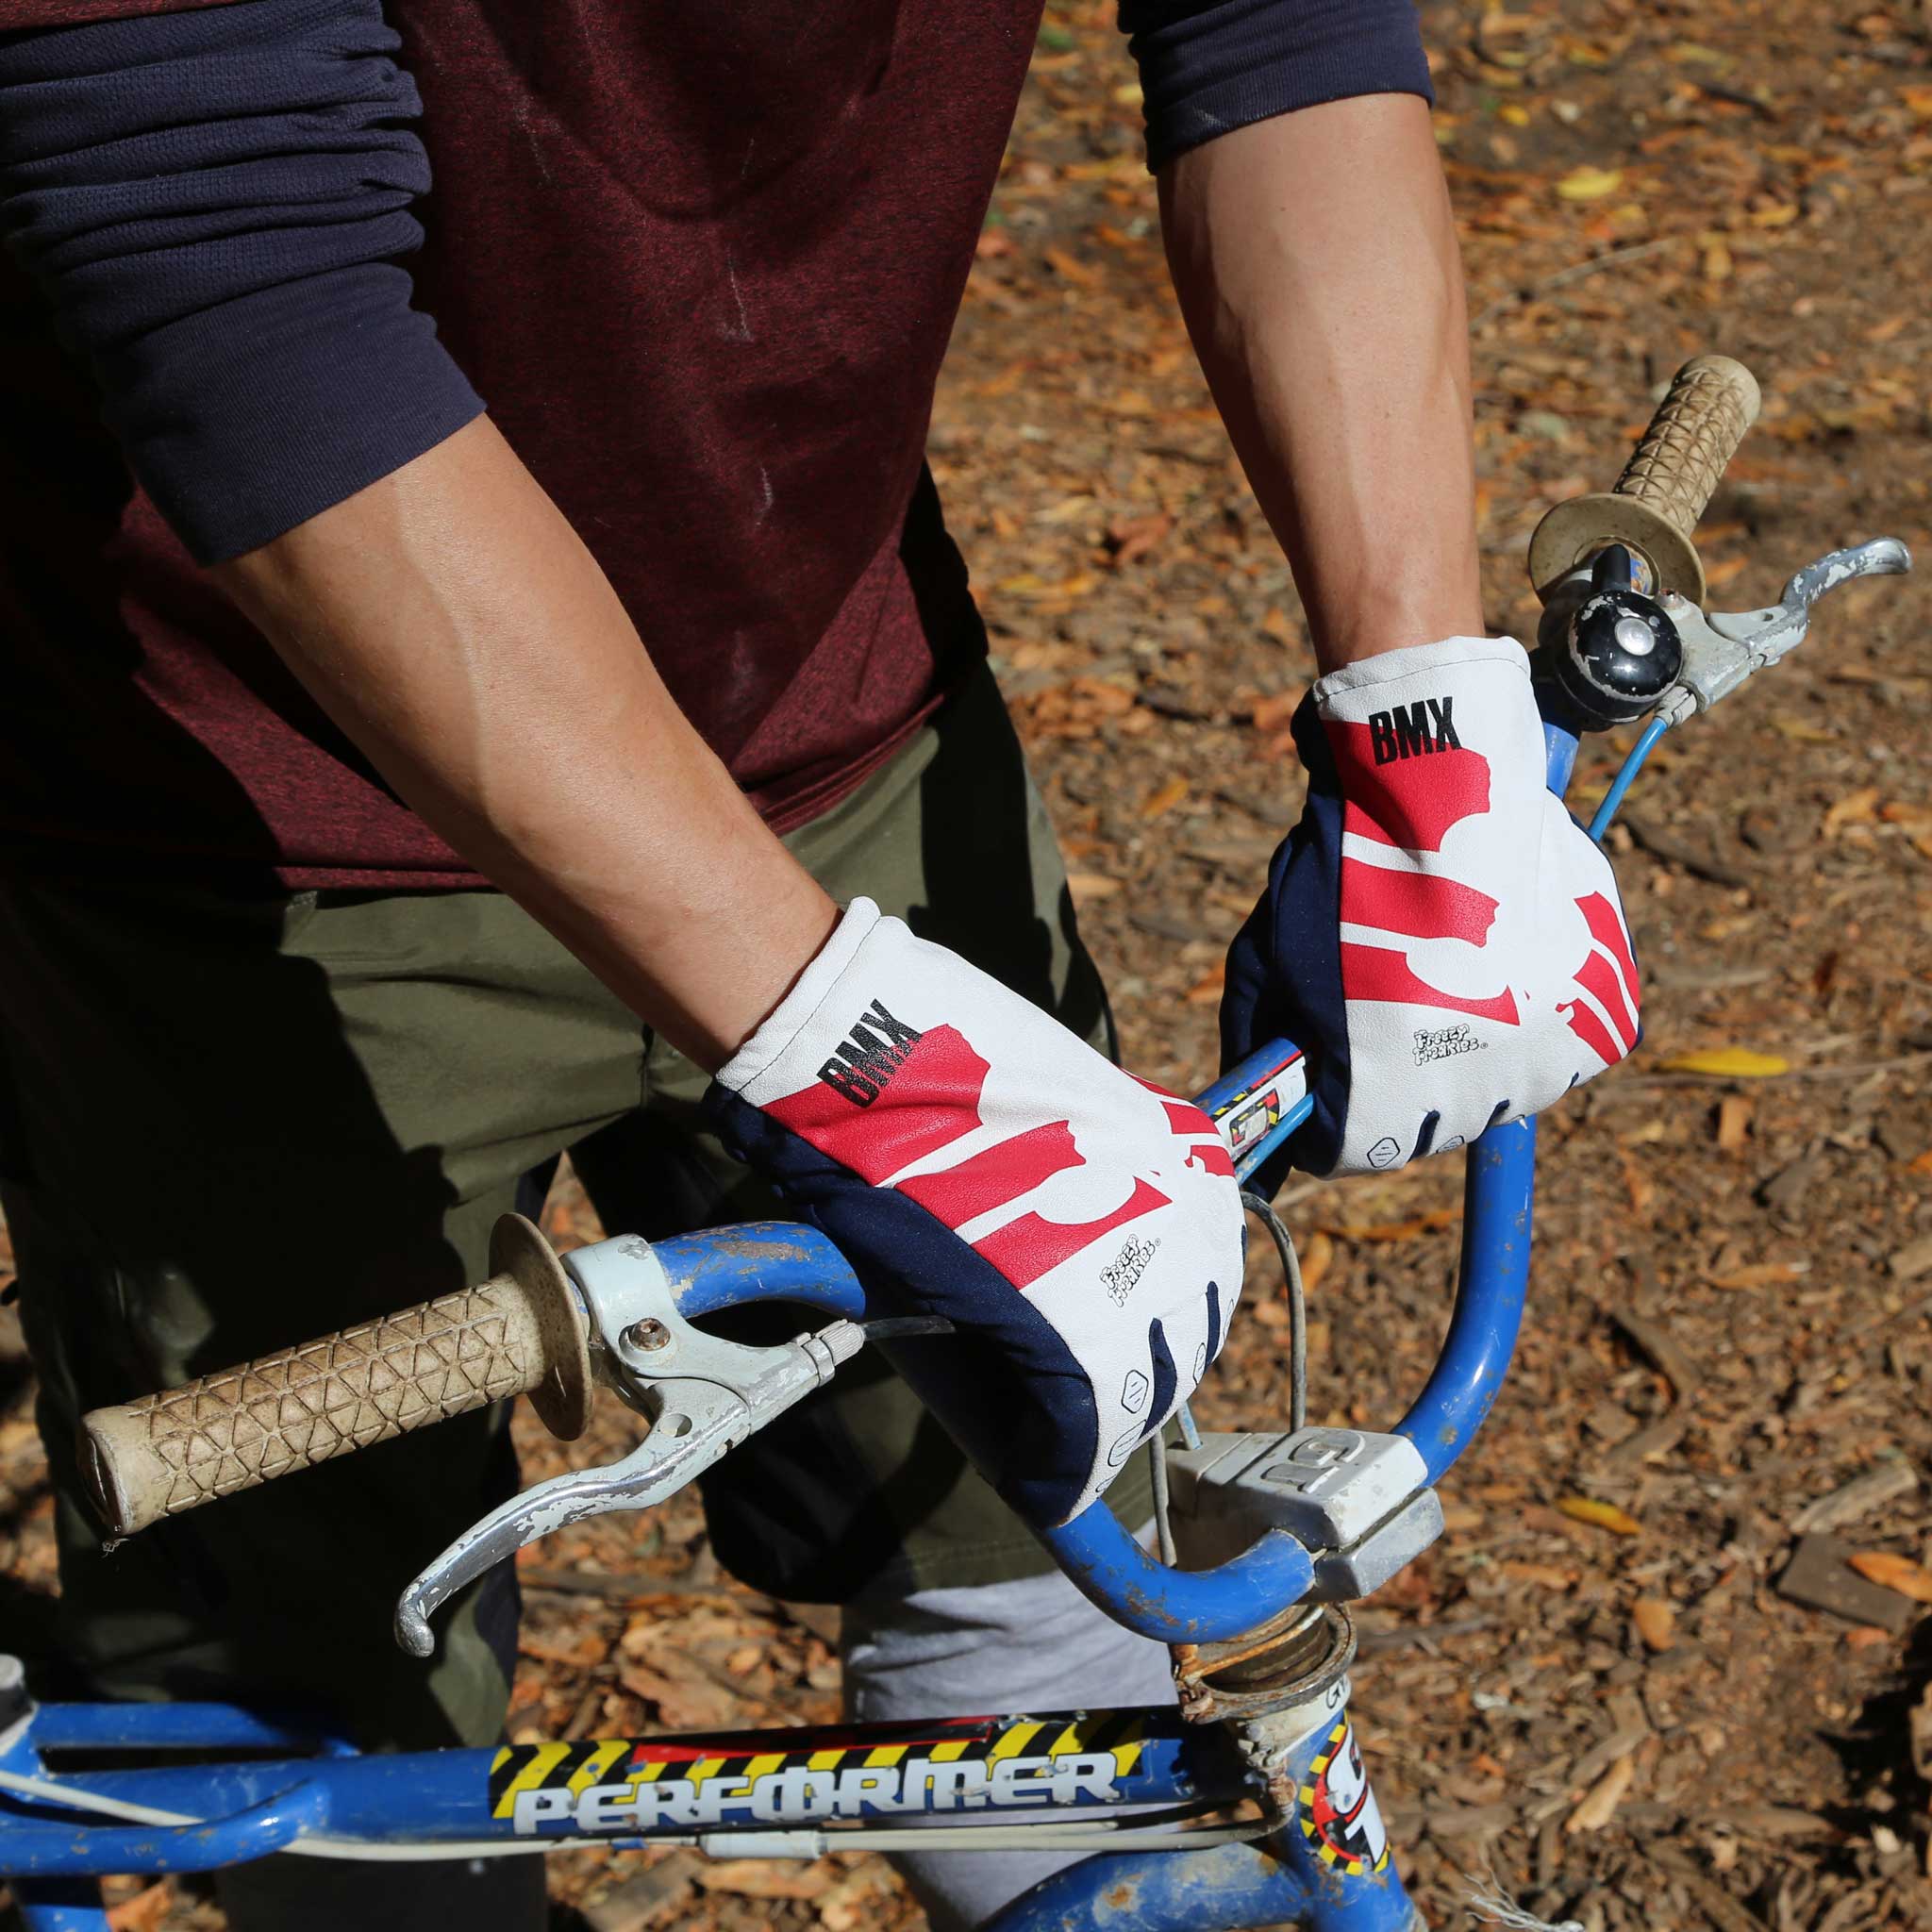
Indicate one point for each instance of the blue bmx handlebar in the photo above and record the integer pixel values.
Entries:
(782, 1261)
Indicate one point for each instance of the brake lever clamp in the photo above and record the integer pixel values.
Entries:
(702, 1394)
(1722, 650)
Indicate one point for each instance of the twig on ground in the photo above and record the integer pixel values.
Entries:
(1577, 271)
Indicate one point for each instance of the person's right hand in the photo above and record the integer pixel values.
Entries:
(1081, 1229)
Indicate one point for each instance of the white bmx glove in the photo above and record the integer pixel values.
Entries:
(1081, 1229)
(1438, 933)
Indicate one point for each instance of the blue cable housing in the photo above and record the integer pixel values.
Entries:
(1613, 798)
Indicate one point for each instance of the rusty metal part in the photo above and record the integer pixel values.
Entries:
(1274, 1669)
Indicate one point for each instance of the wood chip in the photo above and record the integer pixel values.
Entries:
(1656, 1340)
(1660, 1439)
(1604, 1753)
(1469, 1821)
(1820, 1577)
(1853, 1501)
(1778, 1821)
(1713, 1901)
(1912, 1261)
(766, 1877)
(1919, 1733)
(648, 1896)
(1600, 1806)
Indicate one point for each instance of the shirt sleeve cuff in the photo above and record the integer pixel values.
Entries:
(1209, 69)
(329, 389)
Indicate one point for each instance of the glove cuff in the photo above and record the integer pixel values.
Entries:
(1388, 667)
(810, 991)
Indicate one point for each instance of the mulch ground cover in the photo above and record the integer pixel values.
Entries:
(1668, 1667)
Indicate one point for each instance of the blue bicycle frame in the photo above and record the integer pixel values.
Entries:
(1327, 1866)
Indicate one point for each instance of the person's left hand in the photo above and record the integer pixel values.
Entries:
(1439, 935)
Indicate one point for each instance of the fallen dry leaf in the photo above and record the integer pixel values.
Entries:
(144, 1912)
(1134, 537)
(681, 1704)
(1656, 1621)
(1590, 184)
(1271, 714)
(1603, 1515)
(1164, 797)
(1859, 807)
(1545, 1575)
(1730, 1062)
(1384, 1231)
(1315, 1255)
(1899, 1574)
(1074, 271)
(1208, 989)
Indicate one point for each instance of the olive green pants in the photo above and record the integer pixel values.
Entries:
(233, 1124)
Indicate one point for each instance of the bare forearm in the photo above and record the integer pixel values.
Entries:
(1316, 263)
(451, 623)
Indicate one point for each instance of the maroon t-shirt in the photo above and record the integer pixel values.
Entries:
(702, 264)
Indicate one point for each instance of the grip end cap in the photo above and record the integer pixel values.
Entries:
(1572, 533)
(563, 1398)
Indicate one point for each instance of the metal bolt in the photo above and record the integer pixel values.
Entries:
(648, 1334)
(1635, 636)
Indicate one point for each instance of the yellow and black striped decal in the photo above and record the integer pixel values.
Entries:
(1246, 1117)
(1338, 1813)
(576, 1768)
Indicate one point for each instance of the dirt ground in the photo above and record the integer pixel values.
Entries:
(1593, 1687)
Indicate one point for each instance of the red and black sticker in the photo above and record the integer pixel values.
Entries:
(1338, 1813)
(1249, 1115)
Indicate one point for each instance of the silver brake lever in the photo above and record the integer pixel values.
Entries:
(1723, 649)
(702, 1397)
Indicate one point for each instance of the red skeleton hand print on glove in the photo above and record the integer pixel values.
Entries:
(931, 1143)
(1420, 784)
(1080, 1227)
(1438, 933)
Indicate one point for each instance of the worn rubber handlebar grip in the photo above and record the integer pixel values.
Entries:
(519, 1332)
(1665, 486)
(1696, 430)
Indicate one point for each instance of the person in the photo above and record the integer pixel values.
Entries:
(396, 792)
